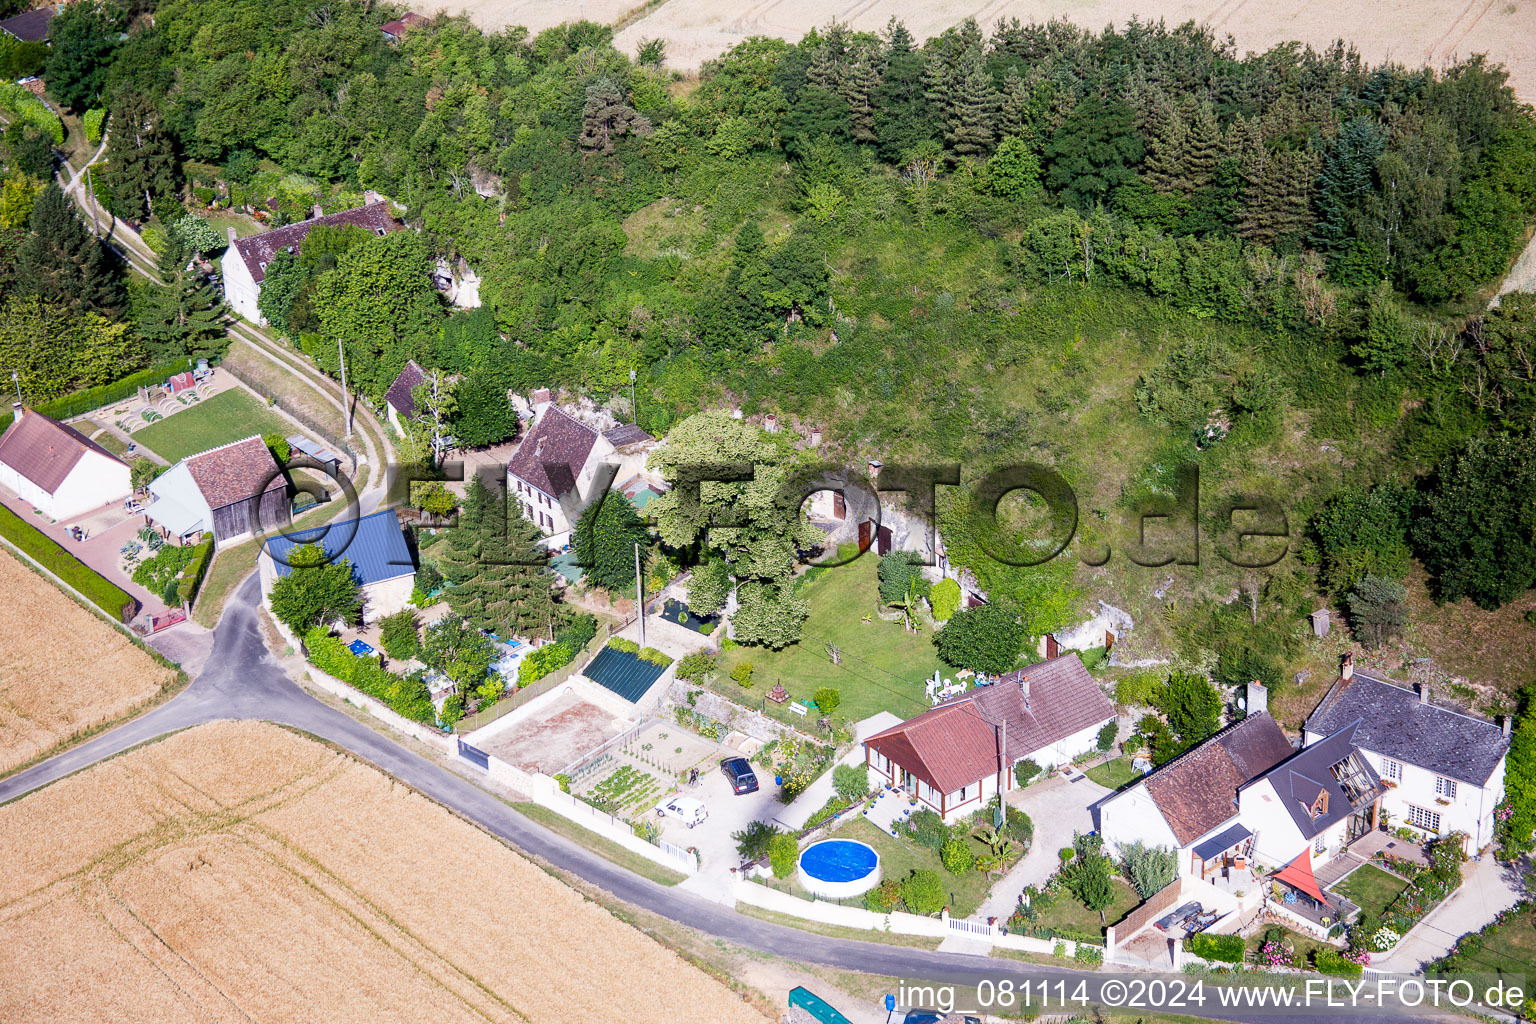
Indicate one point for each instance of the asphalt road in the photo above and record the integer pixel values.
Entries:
(242, 680)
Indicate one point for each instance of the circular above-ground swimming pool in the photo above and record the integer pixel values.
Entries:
(837, 868)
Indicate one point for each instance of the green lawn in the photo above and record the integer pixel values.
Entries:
(1370, 888)
(1068, 914)
(227, 416)
(882, 667)
(1113, 774)
(1509, 948)
(1302, 945)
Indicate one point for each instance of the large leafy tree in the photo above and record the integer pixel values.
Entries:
(1517, 815)
(482, 414)
(1192, 707)
(55, 351)
(81, 40)
(767, 526)
(1476, 527)
(605, 539)
(316, 590)
(1363, 532)
(985, 639)
(61, 262)
(498, 569)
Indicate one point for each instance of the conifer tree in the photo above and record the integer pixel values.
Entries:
(1203, 149)
(971, 119)
(141, 166)
(185, 315)
(606, 117)
(498, 568)
(860, 84)
(1013, 116)
(1346, 180)
(60, 261)
(1164, 169)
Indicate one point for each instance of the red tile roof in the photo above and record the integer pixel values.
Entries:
(405, 21)
(1063, 699)
(552, 455)
(256, 251)
(235, 472)
(44, 450)
(949, 747)
(1197, 790)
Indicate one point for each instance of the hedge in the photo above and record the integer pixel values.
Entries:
(94, 121)
(192, 575)
(1228, 949)
(405, 695)
(20, 101)
(90, 399)
(1331, 961)
(95, 588)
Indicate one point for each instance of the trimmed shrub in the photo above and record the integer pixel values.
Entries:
(945, 599)
(652, 656)
(827, 699)
(923, 892)
(883, 898)
(94, 587)
(1093, 956)
(783, 851)
(104, 394)
(405, 695)
(618, 643)
(927, 829)
(742, 673)
(192, 575)
(541, 661)
(1024, 772)
(1227, 949)
(94, 121)
(1106, 738)
(851, 782)
(32, 110)
(696, 665)
(1331, 961)
(957, 856)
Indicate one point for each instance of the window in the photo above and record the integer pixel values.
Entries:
(1391, 770)
(1320, 805)
(1445, 787)
(1429, 821)
(1319, 845)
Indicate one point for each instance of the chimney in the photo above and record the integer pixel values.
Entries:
(539, 398)
(1507, 724)
(17, 411)
(230, 231)
(1258, 697)
(771, 423)
(815, 437)
(1423, 693)
(316, 211)
(874, 468)
(1347, 670)
(1024, 689)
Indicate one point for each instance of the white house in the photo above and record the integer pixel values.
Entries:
(1443, 769)
(58, 470)
(400, 399)
(375, 546)
(1190, 804)
(954, 757)
(244, 266)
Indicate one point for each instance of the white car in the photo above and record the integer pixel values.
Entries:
(687, 809)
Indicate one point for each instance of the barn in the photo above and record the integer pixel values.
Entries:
(228, 491)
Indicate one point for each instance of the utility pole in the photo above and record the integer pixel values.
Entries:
(16, 379)
(639, 594)
(346, 405)
(634, 410)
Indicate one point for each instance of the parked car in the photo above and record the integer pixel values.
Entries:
(689, 810)
(935, 1017)
(739, 771)
(1178, 917)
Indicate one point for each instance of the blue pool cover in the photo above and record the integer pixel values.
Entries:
(838, 860)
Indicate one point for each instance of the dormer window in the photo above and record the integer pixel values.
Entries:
(1320, 805)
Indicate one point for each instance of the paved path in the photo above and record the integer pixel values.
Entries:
(243, 680)
(1058, 809)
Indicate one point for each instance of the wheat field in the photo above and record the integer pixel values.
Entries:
(239, 872)
(62, 669)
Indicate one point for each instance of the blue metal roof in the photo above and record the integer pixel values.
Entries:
(375, 544)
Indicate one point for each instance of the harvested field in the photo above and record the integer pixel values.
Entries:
(237, 871)
(1426, 31)
(63, 670)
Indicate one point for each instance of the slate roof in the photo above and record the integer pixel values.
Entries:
(256, 251)
(376, 547)
(1395, 723)
(1197, 791)
(551, 456)
(29, 26)
(1063, 699)
(626, 434)
(234, 472)
(44, 450)
(1301, 778)
(948, 747)
(399, 394)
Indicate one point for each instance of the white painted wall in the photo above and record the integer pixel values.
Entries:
(387, 597)
(1132, 816)
(240, 289)
(1062, 751)
(95, 481)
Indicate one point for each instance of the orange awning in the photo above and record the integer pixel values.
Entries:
(1298, 875)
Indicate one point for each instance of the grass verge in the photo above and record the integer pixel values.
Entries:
(604, 848)
(1113, 774)
(837, 931)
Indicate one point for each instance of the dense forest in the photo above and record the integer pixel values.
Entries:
(1114, 252)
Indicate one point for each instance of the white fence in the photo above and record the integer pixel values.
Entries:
(546, 792)
(756, 895)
